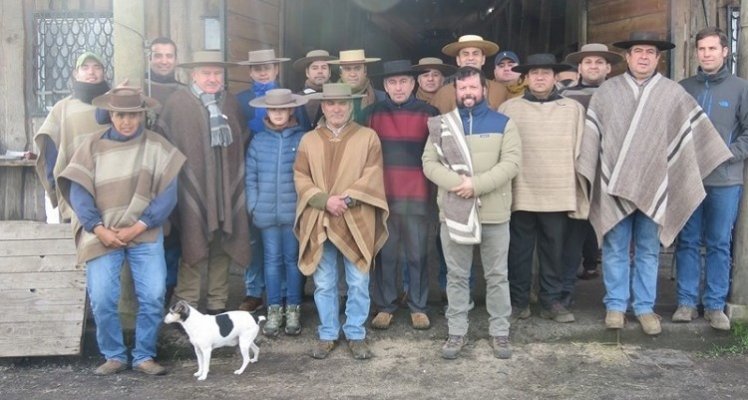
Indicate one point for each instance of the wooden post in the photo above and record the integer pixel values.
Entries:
(737, 305)
(129, 41)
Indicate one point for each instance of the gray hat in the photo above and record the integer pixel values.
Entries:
(335, 91)
(278, 98)
(312, 56)
(427, 63)
(260, 57)
(594, 49)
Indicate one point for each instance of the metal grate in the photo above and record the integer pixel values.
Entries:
(733, 33)
(60, 37)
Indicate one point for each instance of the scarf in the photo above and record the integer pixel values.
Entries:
(447, 136)
(367, 90)
(86, 92)
(220, 131)
(256, 124)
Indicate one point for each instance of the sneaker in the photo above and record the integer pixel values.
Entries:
(558, 313)
(293, 320)
(614, 320)
(323, 348)
(150, 367)
(717, 319)
(501, 347)
(420, 321)
(519, 313)
(274, 321)
(359, 349)
(110, 367)
(251, 304)
(452, 347)
(650, 323)
(685, 314)
(382, 320)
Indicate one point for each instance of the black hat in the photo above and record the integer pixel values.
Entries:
(542, 60)
(650, 38)
(397, 67)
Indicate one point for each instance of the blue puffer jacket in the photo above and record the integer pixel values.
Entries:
(271, 195)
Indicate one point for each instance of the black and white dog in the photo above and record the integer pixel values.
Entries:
(208, 332)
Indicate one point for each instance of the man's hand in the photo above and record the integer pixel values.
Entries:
(464, 189)
(127, 235)
(108, 237)
(336, 205)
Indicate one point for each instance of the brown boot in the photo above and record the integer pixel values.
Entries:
(150, 367)
(323, 348)
(382, 320)
(420, 321)
(110, 367)
(650, 323)
(251, 304)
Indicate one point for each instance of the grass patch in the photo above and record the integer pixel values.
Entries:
(738, 345)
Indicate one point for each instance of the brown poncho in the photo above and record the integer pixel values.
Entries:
(647, 148)
(350, 164)
(212, 198)
(69, 123)
(123, 177)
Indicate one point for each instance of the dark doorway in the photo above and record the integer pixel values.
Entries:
(393, 29)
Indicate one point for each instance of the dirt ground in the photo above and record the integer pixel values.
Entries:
(406, 365)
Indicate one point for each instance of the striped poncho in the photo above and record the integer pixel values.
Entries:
(647, 148)
(123, 178)
(349, 164)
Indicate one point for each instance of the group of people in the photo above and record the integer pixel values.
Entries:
(339, 182)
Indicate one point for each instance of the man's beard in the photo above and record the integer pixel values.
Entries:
(461, 101)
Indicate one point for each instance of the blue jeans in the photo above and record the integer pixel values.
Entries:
(146, 261)
(254, 279)
(617, 266)
(327, 300)
(711, 224)
(282, 264)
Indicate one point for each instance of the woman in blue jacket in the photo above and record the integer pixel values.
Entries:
(271, 201)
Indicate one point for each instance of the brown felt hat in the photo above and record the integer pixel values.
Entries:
(261, 57)
(335, 91)
(125, 99)
(312, 56)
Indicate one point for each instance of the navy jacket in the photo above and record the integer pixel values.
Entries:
(724, 98)
(271, 194)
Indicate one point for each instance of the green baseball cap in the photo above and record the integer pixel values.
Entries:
(85, 56)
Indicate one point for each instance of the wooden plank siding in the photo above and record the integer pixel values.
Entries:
(610, 21)
(250, 25)
(42, 290)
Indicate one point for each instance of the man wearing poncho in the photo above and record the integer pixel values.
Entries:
(341, 210)
(646, 147)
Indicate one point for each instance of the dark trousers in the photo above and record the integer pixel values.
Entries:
(546, 230)
(405, 246)
(580, 246)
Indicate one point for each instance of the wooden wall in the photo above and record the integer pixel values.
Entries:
(610, 21)
(251, 25)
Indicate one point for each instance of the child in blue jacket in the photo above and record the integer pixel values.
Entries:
(271, 201)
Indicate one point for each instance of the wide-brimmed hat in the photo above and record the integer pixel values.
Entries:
(334, 91)
(489, 48)
(353, 57)
(541, 60)
(397, 67)
(650, 38)
(278, 98)
(594, 49)
(207, 58)
(312, 56)
(428, 63)
(125, 99)
(261, 57)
